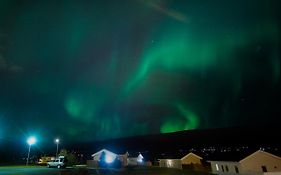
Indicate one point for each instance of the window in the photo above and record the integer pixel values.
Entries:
(217, 167)
(236, 169)
(222, 168)
(226, 168)
(264, 169)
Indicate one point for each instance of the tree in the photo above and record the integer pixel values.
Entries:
(70, 157)
(63, 152)
(102, 162)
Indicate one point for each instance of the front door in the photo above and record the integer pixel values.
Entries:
(263, 168)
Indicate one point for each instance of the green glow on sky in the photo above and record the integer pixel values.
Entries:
(73, 107)
(156, 67)
(189, 121)
(175, 50)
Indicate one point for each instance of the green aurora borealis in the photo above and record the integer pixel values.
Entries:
(91, 70)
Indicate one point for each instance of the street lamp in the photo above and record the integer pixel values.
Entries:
(57, 142)
(30, 142)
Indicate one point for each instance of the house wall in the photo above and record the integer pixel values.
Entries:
(92, 163)
(191, 160)
(254, 163)
(123, 159)
(97, 156)
(273, 173)
(132, 161)
(224, 167)
(170, 163)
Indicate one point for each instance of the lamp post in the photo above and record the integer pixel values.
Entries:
(57, 142)
(30, 142)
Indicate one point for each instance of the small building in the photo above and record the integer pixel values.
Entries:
(170, 163)
(110, 157)
(135, 160)
(260, 162)
(225, 167)
(191, 158)
(180, 161)
(125, 159)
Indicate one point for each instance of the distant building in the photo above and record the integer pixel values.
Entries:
(45, 159)
(109, 158)
(191, 158)
(258, 163)
(187, 160)
(125, 159)
(135, 160)
(170, 163)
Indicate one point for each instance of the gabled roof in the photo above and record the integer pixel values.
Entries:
(177, 155)
(104, 150)
(237, 157)
(135, 154)
(259, 152)
(191, 154)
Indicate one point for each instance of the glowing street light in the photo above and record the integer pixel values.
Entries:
(30, 142)
(57, 142)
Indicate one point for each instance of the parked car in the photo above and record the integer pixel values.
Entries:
(58, 163)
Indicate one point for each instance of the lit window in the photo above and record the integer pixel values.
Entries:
(169, 163)
(217, 167)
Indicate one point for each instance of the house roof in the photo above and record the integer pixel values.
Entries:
(237, 156)
(104, 150)
(133, 154)
(191, 154)
(259, 152)
(177, 155)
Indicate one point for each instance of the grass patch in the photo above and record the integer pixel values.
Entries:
(21, 166)
(144, 171)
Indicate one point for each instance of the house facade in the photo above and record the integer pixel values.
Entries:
(258, 163)
(110, 157)
(191, 158)
(170, 163)
(261, 161)
(133, 161)
(225, 167)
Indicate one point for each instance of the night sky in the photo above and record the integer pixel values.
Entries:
(93, 70)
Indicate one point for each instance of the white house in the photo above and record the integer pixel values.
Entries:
(125, 159)
(260, 162)
(170, 163)
(139, 160)
(225, 167)
(109, 156)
